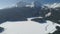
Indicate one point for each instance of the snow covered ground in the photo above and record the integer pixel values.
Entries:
(28, 27)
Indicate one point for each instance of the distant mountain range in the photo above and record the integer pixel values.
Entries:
(28, 4)
(37, 3)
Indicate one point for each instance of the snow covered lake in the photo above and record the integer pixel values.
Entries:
(28, 27)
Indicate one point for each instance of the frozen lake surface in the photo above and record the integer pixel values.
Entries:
(28, 27)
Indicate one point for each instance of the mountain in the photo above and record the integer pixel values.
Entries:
(53, 5)
(18, 14)
(23, 4)
(36, 3)
(49, 1)
(22, 13)
(28, 4)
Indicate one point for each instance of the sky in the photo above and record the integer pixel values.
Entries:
(7, 3)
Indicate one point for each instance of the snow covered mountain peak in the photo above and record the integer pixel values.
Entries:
(54, 5)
